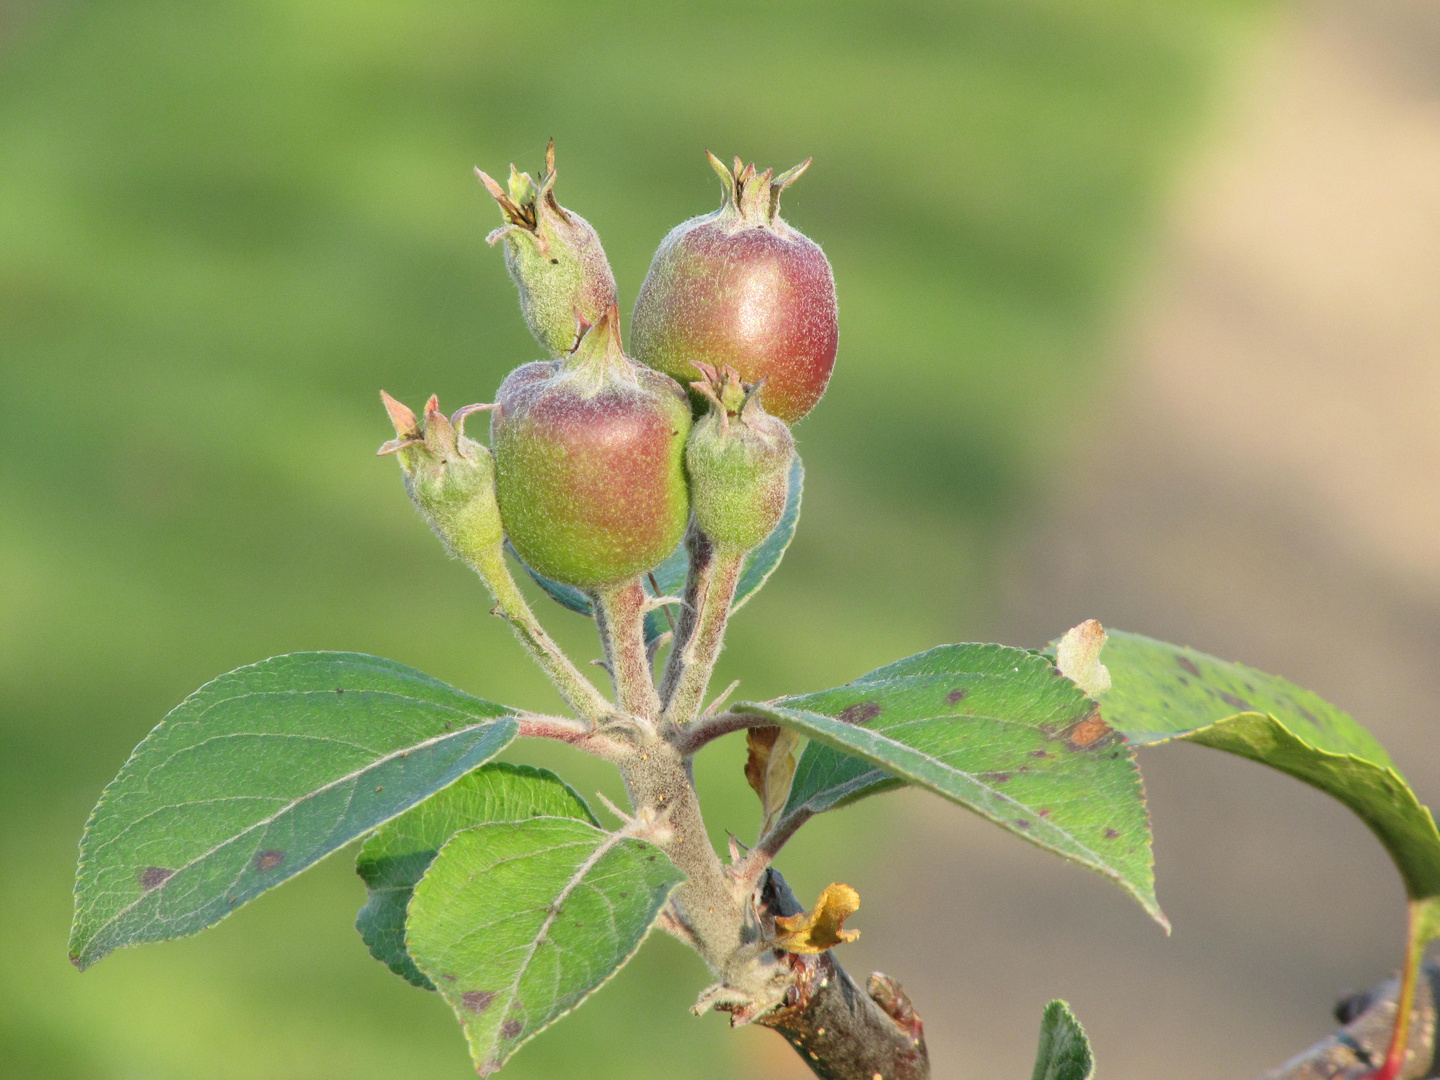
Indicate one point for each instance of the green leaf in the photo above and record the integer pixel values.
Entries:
(1064, 1052)
(257, 775)
(670, 574)
(518, 922)
(1161, 692)
(396, 856)
(994, 729)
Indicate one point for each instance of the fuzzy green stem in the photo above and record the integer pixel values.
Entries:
(702, 649)
(510, 604)
(697, 582)
(709, 592)
(620, 617)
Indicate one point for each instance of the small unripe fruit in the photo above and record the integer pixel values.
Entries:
(554, 256)
(738, 457)
(450, 479)
(589, 455)
(741, 288)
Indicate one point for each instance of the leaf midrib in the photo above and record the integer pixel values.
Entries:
(1097, 860)
(610, 841)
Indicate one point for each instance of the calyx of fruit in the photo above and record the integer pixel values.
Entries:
(554, 256)
(451, 479)
(742, 288)
(589, 453)
(738, 457)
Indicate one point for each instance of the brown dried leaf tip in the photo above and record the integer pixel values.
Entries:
(821, 928)
(770, 768)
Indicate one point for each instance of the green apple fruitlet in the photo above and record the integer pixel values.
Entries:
(555, 257)
(742, 288)
(589, 454)
(738, 458)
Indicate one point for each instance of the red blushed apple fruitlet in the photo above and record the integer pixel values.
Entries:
(589, 460)
(741, 288)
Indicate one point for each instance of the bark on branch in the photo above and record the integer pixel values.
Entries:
(840, 1031)
(1357, 1049)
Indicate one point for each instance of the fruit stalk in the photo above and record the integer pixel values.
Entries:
(510, 604)
(620, 619)
(700, 635)
(451, 481)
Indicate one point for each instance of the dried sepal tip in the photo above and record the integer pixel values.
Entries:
(823, 926)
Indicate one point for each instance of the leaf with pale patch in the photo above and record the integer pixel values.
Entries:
(1162, 692)
(517, 923)
(395, 857)
(995, 729)
(255, 777)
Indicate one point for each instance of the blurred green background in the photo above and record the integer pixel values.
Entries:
(224, 227)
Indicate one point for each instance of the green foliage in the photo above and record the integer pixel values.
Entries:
(517, 922)
(396, 856)
(1064, 1052)
(257, 775)
(992, 728)
(1162, 692)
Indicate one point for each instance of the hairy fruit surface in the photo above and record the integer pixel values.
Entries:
(554, 256)
(742, 288)
(589, 453)
(738, 458)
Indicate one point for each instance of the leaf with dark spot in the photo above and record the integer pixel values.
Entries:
(1088, 733)
(1017, 721)
(154, 876)
(1280, 725)
(487, 910)
(475, 1001)
(862, 712)
(258, 775)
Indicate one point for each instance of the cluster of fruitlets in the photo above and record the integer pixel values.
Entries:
(597, 465)
(615, 484)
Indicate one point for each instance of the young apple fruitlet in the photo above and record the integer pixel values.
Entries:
(555, 257)
(738, 458)
(450, 479)
(589, 454)
(742, 288)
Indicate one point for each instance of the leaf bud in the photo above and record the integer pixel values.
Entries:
(738, 457)
(553, 255)
(450, 478)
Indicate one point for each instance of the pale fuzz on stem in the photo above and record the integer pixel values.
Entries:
(620, 618)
